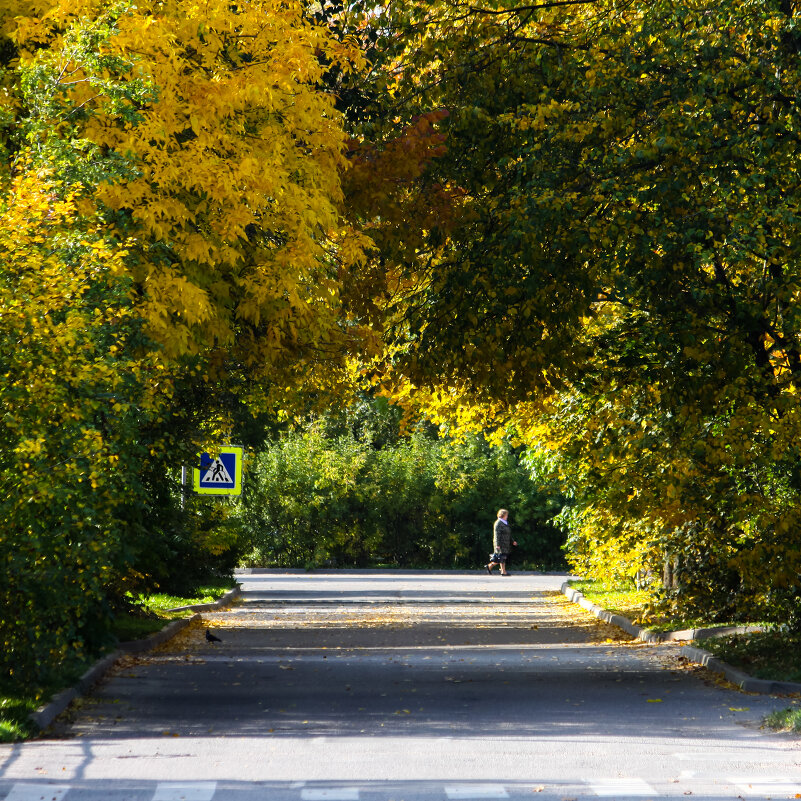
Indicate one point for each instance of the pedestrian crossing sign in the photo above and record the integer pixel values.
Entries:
(220, 474)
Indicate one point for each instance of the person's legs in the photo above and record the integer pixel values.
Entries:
(502, 563)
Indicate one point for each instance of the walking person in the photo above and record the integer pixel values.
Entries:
(502, 542)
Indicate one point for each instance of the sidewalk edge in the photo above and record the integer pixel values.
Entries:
(48, 712)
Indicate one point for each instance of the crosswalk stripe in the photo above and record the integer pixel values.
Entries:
(617, 788)
(38, 792)
(185, 791)
(621, 787)
(781, 786)
(476, 791)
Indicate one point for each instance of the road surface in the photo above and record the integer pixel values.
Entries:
(399, 686)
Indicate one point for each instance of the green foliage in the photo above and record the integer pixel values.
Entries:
(785, 720)
(618, 273)
(315, 498)
(74, 399)
(113, 368)
(769, 655)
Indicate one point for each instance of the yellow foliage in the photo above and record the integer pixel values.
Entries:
(236, 154)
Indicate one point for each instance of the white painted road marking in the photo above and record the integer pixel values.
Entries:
(331, 794)
(621, 787)
(476, 791)
(184, 791)
(38, 792)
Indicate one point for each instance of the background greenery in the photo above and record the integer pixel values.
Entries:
(351, 491)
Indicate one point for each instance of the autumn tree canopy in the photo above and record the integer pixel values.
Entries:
(617, 275)
(173, 249)
(573, 224)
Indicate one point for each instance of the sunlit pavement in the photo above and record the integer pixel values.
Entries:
(406, 685)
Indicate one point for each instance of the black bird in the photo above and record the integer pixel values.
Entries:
(211, 638)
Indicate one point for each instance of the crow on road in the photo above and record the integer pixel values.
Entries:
(211, 638)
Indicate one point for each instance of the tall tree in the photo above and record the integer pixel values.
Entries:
(621, 271)
(175, 170)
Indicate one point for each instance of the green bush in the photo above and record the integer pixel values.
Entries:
(327, 495)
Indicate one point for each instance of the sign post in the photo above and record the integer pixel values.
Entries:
(221, 475)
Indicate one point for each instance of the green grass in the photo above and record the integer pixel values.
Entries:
(14, 710)
(785, 720)
(147, 615)
(150, 613)
(16, 706)
(160, 602)
(633, 604)
(768, 655)
(626, 601)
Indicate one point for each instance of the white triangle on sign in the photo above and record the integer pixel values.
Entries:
(217, 474)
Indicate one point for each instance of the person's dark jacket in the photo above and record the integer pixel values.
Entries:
(502, 537)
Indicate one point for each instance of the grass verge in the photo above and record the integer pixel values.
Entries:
(147, 615)
(633, 604)
(625, 601)
(771, 655)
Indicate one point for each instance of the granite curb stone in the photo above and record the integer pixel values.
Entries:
(48, 712)
(692, 653)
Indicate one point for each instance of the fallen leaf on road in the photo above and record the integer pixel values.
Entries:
(745, 709)
(654, 701)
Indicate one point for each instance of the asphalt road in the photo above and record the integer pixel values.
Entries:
(391, 686)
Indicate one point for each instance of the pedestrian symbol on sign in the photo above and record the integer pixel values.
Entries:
(217, 474)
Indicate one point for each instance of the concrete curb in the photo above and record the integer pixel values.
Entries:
(692, 653)
(738, 677)
(48, 712)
